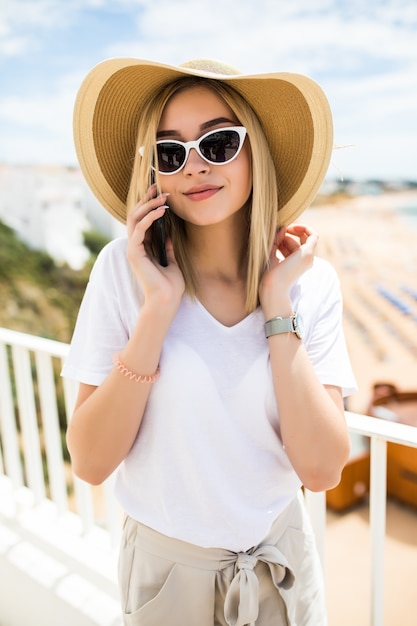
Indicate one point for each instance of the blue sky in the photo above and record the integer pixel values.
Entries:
(363, 53)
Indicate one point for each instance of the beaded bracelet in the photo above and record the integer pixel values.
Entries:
(138, 378)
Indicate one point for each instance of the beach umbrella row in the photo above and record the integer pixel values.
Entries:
(395, 300)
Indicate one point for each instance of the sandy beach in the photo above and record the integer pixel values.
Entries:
(373, 247)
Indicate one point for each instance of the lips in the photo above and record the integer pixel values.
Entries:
(202, 192)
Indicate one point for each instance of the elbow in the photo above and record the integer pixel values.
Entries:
(91, 475)
(83, 467)
(325, 469)
(321, 480)
(324, 475)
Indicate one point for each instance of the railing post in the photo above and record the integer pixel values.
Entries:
(28, 422)
(12, 465)
(316, 506)
(377, 512)
(50, 423)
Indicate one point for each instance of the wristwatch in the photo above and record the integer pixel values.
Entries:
(279, 325)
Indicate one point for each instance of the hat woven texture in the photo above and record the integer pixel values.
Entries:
(292, 108)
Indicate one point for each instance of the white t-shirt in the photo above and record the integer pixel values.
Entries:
(208, 465)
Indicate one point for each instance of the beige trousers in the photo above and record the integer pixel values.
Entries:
(167, 582)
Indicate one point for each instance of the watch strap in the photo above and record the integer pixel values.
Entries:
(279, 325)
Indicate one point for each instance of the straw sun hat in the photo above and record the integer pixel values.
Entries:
(292, 109)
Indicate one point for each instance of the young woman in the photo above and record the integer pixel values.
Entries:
(212, 381)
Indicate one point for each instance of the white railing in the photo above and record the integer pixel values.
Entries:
(379, 432)
(35, 405)
(32, 394)
(58, 535)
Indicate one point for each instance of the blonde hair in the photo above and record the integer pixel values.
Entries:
(263, 203)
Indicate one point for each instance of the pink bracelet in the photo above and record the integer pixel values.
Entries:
(138, 378)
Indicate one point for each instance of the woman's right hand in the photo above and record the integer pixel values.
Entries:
(160, 284)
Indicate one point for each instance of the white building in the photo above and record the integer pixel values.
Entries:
(50, 208)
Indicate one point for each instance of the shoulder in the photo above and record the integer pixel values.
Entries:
(114, 250)
(111, 257)
(112, 273)
(321, 277)
(317, 292)
(321, 268)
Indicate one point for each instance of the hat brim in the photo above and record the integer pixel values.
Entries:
(292, 108)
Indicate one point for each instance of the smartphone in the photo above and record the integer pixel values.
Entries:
(158, 238)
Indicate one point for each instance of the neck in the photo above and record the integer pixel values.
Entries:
(218, 252)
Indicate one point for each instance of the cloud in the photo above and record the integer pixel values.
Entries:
(269, 35)
(363, 53)
(23, 22)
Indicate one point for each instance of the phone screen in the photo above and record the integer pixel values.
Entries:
(158, 237)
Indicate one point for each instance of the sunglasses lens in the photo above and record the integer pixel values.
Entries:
(220, 146)
(170, 156)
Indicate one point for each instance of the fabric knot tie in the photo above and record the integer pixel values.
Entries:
(245, 561)
(241, 606)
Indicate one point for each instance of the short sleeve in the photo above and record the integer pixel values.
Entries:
(318, 299)
(107, 313)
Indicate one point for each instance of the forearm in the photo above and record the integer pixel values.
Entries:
(106, 419)
(312, 423)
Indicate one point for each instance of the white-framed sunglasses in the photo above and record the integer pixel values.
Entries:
(217, 147)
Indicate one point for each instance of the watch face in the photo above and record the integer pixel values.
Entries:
(298, 326)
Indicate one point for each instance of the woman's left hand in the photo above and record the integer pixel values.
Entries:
(291, 255)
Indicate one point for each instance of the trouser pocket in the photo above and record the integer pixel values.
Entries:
(156, 591)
